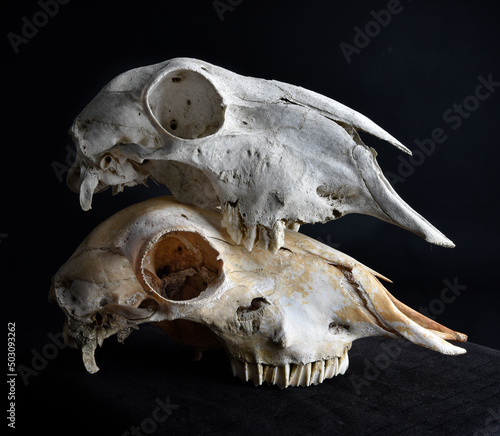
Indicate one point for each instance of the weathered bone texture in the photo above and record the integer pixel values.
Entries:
(269, 154)
(287, 318)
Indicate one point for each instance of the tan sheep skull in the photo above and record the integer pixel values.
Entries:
(271, 155)
(287, 319)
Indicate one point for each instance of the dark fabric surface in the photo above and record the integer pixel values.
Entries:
(150, 385)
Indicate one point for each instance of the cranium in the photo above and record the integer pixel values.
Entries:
(287, 318)
(269, 154)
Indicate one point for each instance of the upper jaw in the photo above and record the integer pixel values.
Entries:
(87, 178)
(291, 374)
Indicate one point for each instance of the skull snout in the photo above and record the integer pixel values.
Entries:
(276, 352)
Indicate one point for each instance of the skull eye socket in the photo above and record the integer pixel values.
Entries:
(186, 104)
(181, 266)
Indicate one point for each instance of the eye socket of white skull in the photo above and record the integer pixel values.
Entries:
(181, 266)
(186, 104)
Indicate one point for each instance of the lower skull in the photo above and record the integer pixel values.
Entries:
(286, 319)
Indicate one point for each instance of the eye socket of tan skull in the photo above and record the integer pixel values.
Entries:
(181, 265)
(187, 105)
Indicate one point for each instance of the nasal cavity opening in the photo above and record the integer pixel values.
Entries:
(187, 105)
(181, 266)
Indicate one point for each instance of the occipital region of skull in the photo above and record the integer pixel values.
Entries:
(287, 318)
(269, 154)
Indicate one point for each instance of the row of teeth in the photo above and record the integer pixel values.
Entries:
(312, 373)
(271, 239)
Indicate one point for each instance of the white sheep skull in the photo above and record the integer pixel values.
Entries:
(287, 318)
(269, 154)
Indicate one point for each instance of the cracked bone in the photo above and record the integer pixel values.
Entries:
(270, 155)
(287, 319)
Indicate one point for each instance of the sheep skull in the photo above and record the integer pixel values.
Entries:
(287, 319)
(269, 154)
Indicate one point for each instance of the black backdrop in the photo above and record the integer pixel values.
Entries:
(416, 75)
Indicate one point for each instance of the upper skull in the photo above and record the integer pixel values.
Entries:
(270, 154)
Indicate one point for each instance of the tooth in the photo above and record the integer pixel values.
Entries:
(238, 368)
(89, 183)
(263, 237)
(253, 373)
(300, 375)
(267, 373)
(344, 362)
(277, 236)
(331, 367)
(250, 372)
(294, 374)
(292, 225)
(231, 221)
(285, 382)
(249, 237)
(88, 356)
(260, 373)
(268, 238)
(247, 372)
(307, 374)
(318, 372)
(312, 373)
(273, 374)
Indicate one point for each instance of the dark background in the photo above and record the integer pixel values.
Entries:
(412, 71)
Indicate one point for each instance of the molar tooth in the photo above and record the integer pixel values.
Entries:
(231, 221)
(247, 371)
(300, 375)
(318, 372)
(331, 367)
(260, 372)
(312, 373)
(252, 373)
(294, 374)
(263, 237)
(268, 238)
(344, 362)
(292, 225)
(307, 374)
(267, 373)
(250, 237)
(337, 365)
(274, 372)
(239, 368)
(323, 365)
(285, 377)
(277, 236)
